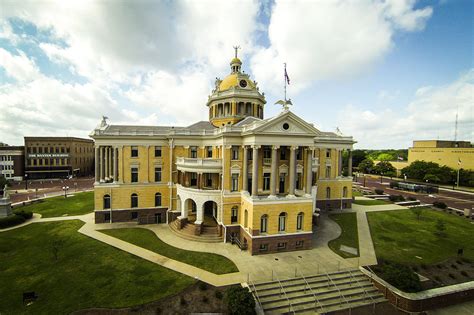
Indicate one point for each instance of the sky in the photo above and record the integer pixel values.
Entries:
(385, 72)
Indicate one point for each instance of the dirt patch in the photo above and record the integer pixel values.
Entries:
(380, 308)
(198, 298)
(451, 271)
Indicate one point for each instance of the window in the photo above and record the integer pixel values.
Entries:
(134, 201)
(299, 153)
(328, 153)
(314, 179)
(299, 180)
(283, 153)
(250, 155)
(193, 179)
(157, 174)
(233, 215)
(106, 201)
(157, 199)
(134, 175)
(299, 221)
(235, 182)
(282, 222)
(328, 171)
(328, 193)
(263, 223)
(299, 244)
(266, 181)
(344, 192)
(246, 218)
(193, 153)
(157, 151)
(134, 151)
(263, 247)
(208, 179)
(267, 153)
(209, 151)
(281, 245)
(235, 152)
(134, 215)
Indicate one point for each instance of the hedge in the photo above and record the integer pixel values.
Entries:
(11, 221)
(25, 214)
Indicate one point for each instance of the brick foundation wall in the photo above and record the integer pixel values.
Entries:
(334, 204)
(144, 216)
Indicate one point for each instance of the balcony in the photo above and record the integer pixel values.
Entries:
(199, 165)
(267, 161)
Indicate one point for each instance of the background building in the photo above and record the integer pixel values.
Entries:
(454, 154)
(12, 162)
(58, 157)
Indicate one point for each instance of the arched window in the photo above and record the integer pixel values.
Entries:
(134, 200)
(158, 199)
(299, 221)
(344, 192)
(282, 222)
(106, 201)
(234, 214)
(328, 193)
(263, 223)
(246, 218)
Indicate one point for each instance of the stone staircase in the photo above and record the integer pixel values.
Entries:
(209, 234)
(317, 294)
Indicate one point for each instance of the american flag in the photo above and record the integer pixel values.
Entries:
(287, 78)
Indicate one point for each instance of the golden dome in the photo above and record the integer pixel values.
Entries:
(233, 80)
(236, 60)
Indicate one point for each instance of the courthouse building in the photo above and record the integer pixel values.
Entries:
(237, 177)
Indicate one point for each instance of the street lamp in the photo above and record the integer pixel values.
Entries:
(381, 176)
(65, 188)
(405, 177)
(26, 181)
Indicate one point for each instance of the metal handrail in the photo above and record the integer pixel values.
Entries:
(290, 306)
(362, 287)
(256, 294)
(334, 285)
(314, 294)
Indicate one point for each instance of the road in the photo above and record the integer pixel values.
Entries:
(456, 199)
(40, 188)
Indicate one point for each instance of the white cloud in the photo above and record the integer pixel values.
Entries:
(18, 67)
(330, 39)
(430, 115)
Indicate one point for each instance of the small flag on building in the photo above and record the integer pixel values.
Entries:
(400, 158)
(287, 78)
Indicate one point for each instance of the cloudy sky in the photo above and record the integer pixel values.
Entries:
(386, 72)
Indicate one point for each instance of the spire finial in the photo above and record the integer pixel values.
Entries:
(236, 48)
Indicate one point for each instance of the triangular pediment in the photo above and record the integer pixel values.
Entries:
(286, 123)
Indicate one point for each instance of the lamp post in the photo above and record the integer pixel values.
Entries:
(405, 177)
(381, 177)
(65, 188)
(26, 181)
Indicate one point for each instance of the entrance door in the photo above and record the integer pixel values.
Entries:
(282, 184)
(249, 185)
(158, 218)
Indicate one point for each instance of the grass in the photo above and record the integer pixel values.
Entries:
(349, 235)
(398, 236)
(370, 202)
(87, 273)
(356, 193)
(77, 204)
(147, 239)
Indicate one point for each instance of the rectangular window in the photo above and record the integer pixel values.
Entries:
(267, 153)
(299, 244)
(283, 153)
(328, 153)
(41, 162)
(134, 215)
(266, 181)
(299, 154)
(315, 178)
(328, 171)
(193, 179)
(134, 152)
(299, 181)
(250, 155)
(157, 151)
(134, 175)
(299, 222)
(209, 151)
(157, 174)
(235, 182)
(263, 247)
(193, 152)
(233, 216)
(281, 245)
(235, 152)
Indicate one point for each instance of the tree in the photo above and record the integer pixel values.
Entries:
(239, 301)
(440, 228)
(56, 246)
(366, 166)
(385, 168)
(417, 211)
(431, 178)
(401, 277)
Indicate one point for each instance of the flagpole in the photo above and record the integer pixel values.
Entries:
(284, 78)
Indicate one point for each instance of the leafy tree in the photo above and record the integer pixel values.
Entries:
(440, 228)
(417, 211)
(3, 182)
(366, 166)
(401, 277)
(385, 168)
(385, 157)
(431, 178)
(239, 301)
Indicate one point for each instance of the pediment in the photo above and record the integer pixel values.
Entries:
(287, 123)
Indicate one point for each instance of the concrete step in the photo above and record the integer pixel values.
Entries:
(190, 236)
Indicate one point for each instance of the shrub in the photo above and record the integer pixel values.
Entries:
(202, 286)
(396, 198)
(25, 214)
(394, 185)
(401, 277)
(182, 301)
(464, 273)
(205, 299)
(440, 205)
(437, 278)
(415, 268)
(239, 301)
(218, 295)
(411, 198)
(378, 191)
(424, 266)
(11, 220)
(452, 276)
(454, 266)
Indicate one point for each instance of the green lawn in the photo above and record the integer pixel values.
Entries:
(87, 273)
(77, 204)
(370, 202)
(147, 239)
(348, 237)
(398, 236)
(356, 193)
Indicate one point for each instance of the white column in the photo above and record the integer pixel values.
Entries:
(106, 168)
(97, 167)
(101, 164)
(339, 162)
(199, 213)
(349, 166)
(309, 170)
(184, 211)
(255, 171)
(273, 175)
(291, 190)
(245, 174)
(111, 163)
(115, 159)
